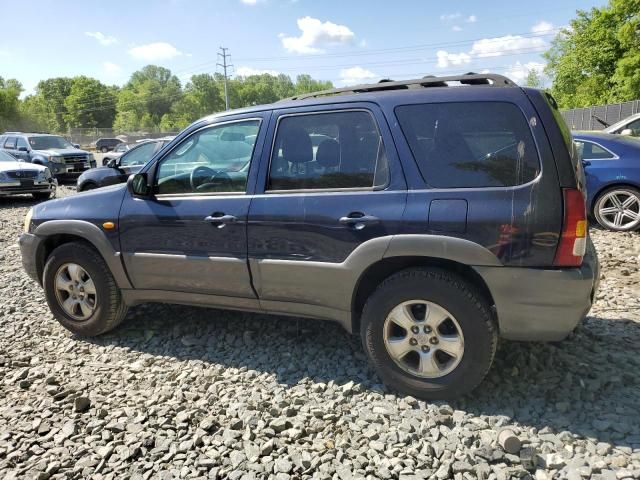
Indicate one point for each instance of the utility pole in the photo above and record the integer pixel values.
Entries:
(223, 54)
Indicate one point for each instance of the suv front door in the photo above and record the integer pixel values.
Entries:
(331, 183)
(190, 236)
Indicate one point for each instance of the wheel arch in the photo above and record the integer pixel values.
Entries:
(376, 273)
(59, 232)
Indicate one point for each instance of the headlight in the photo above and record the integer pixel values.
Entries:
(55, 159)
(27, 220)
(44, 175)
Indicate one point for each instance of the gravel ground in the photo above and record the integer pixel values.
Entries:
(181, 392)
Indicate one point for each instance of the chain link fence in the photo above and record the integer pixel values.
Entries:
(587, 118)
(86, 137)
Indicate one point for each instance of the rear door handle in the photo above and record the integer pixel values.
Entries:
(358, 220)
(220, 220)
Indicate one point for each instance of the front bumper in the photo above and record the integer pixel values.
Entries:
(542, 304)
(69, 170)
(20, 187)
(29, 249)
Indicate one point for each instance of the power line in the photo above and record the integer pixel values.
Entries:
(225, 65)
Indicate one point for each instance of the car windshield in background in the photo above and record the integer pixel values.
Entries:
(6, 157)
(47, 142)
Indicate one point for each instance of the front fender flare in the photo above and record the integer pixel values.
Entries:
(92, 234)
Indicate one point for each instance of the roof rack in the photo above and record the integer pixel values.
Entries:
(486, 79)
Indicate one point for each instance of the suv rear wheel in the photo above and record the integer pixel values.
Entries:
(618, 209)
(81, 291)
(429, 333)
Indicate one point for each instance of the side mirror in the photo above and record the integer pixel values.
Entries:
(138, 186)
(23, 149)
(112, 163)
(626, 132)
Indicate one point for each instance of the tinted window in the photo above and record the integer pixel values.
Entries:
(215, 159)
(47, 142)
(10, 142)
(591, 151)
(465, 145)
(326, 151)
(139, 155)
(634, 127)
(21, 142)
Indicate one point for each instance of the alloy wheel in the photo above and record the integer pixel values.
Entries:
(75, 291)
(619, 210)
(423, 339)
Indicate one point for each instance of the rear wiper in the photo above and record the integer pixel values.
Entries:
(602, 122)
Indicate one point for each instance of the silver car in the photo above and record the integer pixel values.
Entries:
(18, 177)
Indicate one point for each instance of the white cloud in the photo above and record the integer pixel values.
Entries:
(155, 51)
(104, 40)
(542, 27)
(316, 35)
(251, 2)
(445, 58)
(471, 19)
(456, 28)
(248, 71)
(494, 47)
(518, 71)
(356, 75)
(447, 17)
(111, 68)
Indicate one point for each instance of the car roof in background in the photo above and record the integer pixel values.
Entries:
(608, 138)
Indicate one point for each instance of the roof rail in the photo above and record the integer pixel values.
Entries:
(486, 79)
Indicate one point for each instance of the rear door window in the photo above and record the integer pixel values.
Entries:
(592, 151)
(10, 143)
(328, 150)
(470, 145)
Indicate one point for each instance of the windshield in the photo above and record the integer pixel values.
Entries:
(619, 124)
(6, 157)
(47, 142)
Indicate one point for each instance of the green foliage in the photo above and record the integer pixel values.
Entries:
(533, 79)
(90, 103)
(9, 103)
(596, 60)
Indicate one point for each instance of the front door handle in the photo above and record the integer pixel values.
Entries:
(220, 220)
(358, 220)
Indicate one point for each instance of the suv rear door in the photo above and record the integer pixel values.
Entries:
(191, 235)
(330, 182)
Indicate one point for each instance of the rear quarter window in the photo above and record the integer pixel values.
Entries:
(470, 145)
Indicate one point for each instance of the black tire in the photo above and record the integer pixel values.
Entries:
(40, 196)
(458, 297)
(604, 222)
(104, 149)
(105, 161)
(110, 309)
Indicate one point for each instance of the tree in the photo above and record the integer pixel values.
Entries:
(48, 105)
(596, 59)
(533, 79)
(9, 104)
(148, 95)
(90, 103)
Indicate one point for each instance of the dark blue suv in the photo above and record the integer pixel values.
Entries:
(430, 216)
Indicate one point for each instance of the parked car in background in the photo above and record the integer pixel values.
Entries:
(435, 216)
(117, 152)
(18, 177)
(63, 159)
(627, 126)
(105, 145)
(612, 172)
(118, 169)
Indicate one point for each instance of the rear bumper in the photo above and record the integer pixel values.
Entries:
(29, 244)
(542, 304)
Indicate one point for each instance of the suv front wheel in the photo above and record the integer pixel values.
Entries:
(80, 290)
(429, 333)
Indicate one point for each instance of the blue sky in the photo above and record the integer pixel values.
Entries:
(345, 41)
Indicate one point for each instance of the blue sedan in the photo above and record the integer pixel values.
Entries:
(612, 170)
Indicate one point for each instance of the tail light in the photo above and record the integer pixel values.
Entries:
(573, 241)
